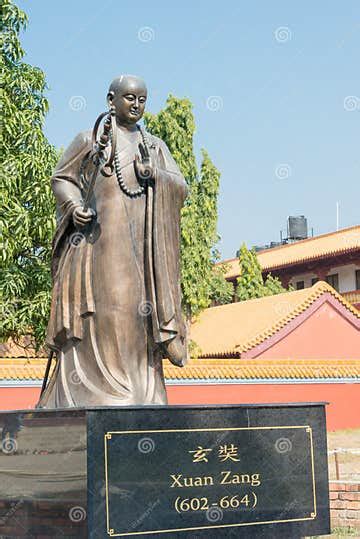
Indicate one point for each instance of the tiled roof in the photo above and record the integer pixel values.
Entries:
(243, 326)
(326, 245)
(214, 369)
(248, 323)
(14, 369)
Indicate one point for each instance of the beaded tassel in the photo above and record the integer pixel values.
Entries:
(129, 192)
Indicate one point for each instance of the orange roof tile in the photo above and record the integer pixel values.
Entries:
(213, 369)
(325, 245)
(22, 368)
(248, 323)
(239, 369)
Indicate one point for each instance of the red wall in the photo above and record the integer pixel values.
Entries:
(342, 411)
(326, 333)
(18, 398)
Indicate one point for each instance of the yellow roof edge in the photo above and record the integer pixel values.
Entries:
(311, 294)
(326, 234)
(220, 368)
(315, 291)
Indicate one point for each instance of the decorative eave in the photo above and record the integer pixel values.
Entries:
(21, 369)
(18, 371)
(326, 246)
(237, 369)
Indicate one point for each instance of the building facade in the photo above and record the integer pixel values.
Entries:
(333, 257)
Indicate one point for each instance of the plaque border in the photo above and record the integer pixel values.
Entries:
(108, 436)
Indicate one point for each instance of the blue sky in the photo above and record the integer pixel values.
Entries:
(274, 84)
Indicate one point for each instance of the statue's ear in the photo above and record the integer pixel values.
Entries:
(110, 96)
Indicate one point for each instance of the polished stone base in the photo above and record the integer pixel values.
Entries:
(165, 471)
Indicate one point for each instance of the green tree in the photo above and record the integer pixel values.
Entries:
(217, 289)
(175, 125)
(250, 283)
(27, 217)
(273, 286)
(221, 291)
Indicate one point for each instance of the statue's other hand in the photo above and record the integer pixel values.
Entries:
(82, 218)
(176, 351)
(144, 167)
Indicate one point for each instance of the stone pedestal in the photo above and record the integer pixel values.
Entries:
(165, 471)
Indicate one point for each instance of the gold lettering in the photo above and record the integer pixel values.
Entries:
(227, 452)
(208, 480)
(188, 481)
(236, 479)
(245, 478)
(180, 481)
(255, 480)
(200, 454)
(229, 478)
(224, 480)
(176, 482)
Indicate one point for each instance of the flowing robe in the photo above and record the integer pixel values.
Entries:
(116, 284)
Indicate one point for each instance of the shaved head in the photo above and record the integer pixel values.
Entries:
(127, 95)
(128, 84)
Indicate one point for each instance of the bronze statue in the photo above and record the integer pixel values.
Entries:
(116, 302)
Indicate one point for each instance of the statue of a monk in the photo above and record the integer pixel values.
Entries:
(116, 302)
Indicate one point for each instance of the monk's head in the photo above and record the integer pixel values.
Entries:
(128, 94)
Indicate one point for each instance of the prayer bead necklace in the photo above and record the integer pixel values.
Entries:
(129, 192)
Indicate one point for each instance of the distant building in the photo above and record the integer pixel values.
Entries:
(333, 257)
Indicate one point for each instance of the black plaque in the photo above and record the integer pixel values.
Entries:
(223, 471)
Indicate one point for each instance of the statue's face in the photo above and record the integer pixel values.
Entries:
(129, 100)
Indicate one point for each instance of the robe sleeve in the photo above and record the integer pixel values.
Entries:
(169, 192)
(67, 187)
(167, 163)
(71, 294)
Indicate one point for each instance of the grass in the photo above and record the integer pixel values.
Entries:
(349, 464)
(338, 533)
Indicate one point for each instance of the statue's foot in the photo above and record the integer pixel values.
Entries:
(176, 351)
